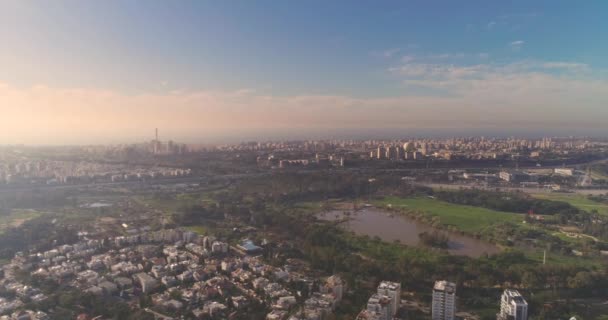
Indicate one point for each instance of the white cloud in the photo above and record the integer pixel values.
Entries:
(386, 53)
(521, 94)
(407, 59)
(518, 91)
(517, 43)
(572, 66)
(457, 55)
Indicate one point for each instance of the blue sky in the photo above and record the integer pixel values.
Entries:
(371, 54)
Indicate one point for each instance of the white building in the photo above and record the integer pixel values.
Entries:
(513, 306)
(564, 171)
(380, 305)
(146, 282)
(393, 291)
(219, 247)
(444, 300)
(335, 286)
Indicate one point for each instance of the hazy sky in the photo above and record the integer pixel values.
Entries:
(112, 71)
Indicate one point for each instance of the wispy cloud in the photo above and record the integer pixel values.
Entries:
(574, 66)
(548, 92)
(516, 45)
(516, 94)
(407, 59)
(388, 53)
(511, 22)
(453, 55)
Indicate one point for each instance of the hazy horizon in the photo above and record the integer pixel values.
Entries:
(79, 72)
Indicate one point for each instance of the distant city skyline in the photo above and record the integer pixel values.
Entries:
(78, 72)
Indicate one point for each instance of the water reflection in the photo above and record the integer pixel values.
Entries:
(389, 227)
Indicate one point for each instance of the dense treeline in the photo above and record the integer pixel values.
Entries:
(333, 250)
(603, 198)
(37, 234)
(35, 198)
(508, 202)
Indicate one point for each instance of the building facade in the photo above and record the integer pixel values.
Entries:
(444, 300)
(513, 306)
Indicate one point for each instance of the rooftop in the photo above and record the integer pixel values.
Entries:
(446, 286)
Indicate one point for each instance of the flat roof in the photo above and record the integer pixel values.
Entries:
(446, 286)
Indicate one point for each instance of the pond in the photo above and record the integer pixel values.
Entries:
(391, 227)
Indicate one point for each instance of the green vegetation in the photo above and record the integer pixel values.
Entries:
(557, 259)
(508, 202)
(577, 200)
(16, 218)
(202, 230)
(37, 233)
(465, 218)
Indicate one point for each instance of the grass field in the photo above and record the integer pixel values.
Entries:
(599, 172)
(16, 218)
(576, 200)
(536, 256)
(201, 230)
(465, 218)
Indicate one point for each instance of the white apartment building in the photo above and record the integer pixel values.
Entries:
(444, 300)
(513, 306)
(393, 291)
(380, 305)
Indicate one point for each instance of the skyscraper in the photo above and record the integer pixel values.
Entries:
(444, 300)
(513, 306)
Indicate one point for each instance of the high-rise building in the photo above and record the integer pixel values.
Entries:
(513, 306)
(334, 286)
(444, 300)
(393, 291)
(381, 153)
(381, 306)
(409, 146)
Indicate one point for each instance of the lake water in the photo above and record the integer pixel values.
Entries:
(374, 222)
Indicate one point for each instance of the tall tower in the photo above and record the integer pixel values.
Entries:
(156, 142)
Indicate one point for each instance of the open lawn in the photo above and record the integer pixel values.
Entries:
(16, 218)
(536, 256)
(201, 230)
(576, 200)
(466, 218)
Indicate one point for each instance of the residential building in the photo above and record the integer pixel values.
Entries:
(513, 306)
(444, 300)
(381, 306)
(393, 291)
(147, 283)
